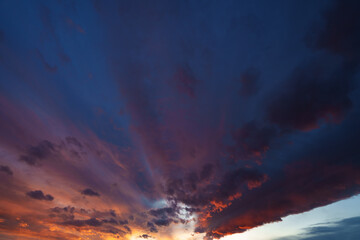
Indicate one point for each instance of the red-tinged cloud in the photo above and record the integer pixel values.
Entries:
(60, 168)
(316, 92)
(297, 191)
(251, 141)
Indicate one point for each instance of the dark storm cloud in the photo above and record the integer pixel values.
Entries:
(252, 140)
(35, 154)
(231, 183)
(323, 174)
(317, 91)
(340, 35)
(39, 195)
(90, 192)
(6, 170)
(207, 171)
(234, 179)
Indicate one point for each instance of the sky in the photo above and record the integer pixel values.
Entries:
(179, 120)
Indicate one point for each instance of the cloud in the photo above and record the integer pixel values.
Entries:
(207, 171)
(63, 214)
(252, 140)
(89, 219)
(93, 222)
(340, 33)
(6, 170)
(151, 227)
(90, 192)
(319, 89)
(316, 91)
(35, 154)
(208, 198)
(110, 221)
(194, 148)
(39, 195)
(319, 176)
(162, 222)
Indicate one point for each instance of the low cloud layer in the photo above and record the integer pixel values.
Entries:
(39, 195)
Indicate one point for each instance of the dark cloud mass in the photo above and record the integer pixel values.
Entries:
(39, 195)
(151, 227)
(317, 91)
(34, 154)
(93, 222)
(176, 119)
(6, 170)
(340, 35)
(89, 192)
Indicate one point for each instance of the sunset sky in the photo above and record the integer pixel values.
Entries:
(179, 120)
